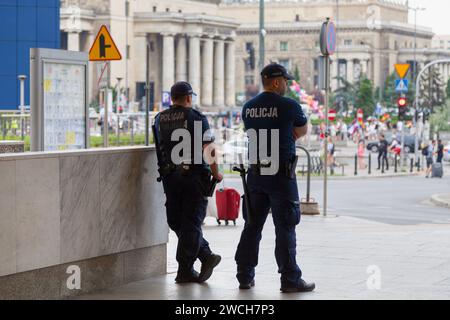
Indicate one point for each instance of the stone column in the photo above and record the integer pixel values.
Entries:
(181, 70)
(207, 72)
(92, 82)
(230, 74)
(350, 71)
(73, 41)
(334, 73)
(445, 75)
(194, 63)
(364, 67)
(377, 70)
(219, 69)
(168, 65)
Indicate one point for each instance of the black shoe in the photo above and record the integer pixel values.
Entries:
(188, 278)
(208, 266)
(302, 286)
(247, 286)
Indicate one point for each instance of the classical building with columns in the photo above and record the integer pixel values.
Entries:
(206, 42)
(373, 35)
(187, 41)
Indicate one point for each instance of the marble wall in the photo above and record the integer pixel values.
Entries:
(61, 207)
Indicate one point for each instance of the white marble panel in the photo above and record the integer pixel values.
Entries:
(152, 228)
(7, 217)
(118, 199)
(38, 213)
(80, 208)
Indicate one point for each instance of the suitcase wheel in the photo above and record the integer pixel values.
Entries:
(234, 221)
(226, 222)
(218, 222)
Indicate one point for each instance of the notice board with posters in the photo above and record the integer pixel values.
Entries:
(59, 102)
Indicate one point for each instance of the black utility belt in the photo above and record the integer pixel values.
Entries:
(181, 168)
(287, 168)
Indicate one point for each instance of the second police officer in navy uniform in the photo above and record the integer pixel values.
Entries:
(271, 110)
(187, 182)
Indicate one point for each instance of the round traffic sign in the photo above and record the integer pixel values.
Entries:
(328, 38)
(331, 38)
(332, 115)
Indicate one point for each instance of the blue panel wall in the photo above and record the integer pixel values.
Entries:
(24, 24)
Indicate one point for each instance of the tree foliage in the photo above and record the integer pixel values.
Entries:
(440, 119)
(344, 96)
(364, 96)
(432, 92)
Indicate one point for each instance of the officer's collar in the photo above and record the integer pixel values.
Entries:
(179, 106)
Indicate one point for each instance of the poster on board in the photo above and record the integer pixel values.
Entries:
(64, 106)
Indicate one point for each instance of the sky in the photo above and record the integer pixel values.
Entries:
(436, 15)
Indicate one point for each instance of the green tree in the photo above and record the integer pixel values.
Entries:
(447, 90)
(344, 96)
(440, 119)
(432, 92)
(364, 96)
(390, 97)
(297, 74)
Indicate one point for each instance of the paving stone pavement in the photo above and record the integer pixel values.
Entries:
(344, 256)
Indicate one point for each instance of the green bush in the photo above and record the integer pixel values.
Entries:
(95, 142)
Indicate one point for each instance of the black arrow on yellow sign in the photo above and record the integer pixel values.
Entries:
(104, 48)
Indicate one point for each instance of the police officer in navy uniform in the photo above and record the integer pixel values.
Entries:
(186, 182)
(277, 192)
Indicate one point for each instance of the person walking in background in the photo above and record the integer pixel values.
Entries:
(440, 151)
(330, 153)
(344, 131)
(382, 152)
(429, 156)
(361, 153)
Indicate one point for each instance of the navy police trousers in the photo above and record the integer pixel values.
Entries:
(280, 194)
(186, 210)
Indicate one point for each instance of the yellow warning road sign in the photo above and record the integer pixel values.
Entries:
(402, 70)
(104, 48)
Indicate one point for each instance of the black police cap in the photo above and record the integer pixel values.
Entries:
(275, 70)
(182, 88)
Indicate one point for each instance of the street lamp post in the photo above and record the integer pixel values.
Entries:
(414, 79)
(262, 35)
(22, 79)
(117, 109)
(416, 104)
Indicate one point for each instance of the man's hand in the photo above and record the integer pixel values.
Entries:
(300, 132)
(218, 176)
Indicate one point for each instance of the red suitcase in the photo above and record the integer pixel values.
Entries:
(228, 202)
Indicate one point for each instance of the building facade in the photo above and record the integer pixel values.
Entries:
(184, 43)
(373, 35)
(208, 42)
(24, 24)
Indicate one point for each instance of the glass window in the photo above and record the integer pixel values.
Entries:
(348, 42)
(249, 80)
(285, 63)
(284, 46)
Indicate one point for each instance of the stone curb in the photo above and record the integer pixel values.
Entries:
(441, 200)
(399, 175)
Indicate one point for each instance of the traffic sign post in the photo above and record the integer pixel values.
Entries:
(327, 47)
(402, 70)
(332, 115)
(401, 86)
(105, 49)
